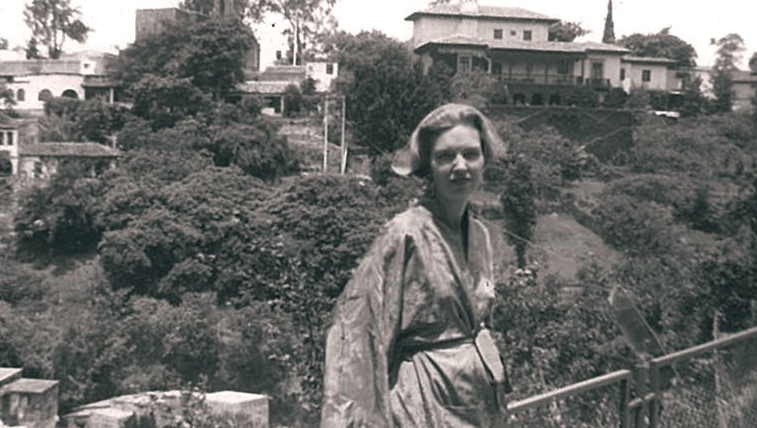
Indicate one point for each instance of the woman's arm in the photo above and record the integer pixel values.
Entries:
(360, 342)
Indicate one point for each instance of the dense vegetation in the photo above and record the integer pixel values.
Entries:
(205, 259)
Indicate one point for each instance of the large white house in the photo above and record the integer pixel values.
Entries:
(83, 75)
(513, 44)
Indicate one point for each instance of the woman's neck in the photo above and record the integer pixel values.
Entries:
(451, 212)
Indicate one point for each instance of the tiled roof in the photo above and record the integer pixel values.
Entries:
(513, 44)
(69, 64)
(25, 385)
(744, 77)
(278, 73)
(646, 59)
(255, 87)
(482, 12)
(66, 149)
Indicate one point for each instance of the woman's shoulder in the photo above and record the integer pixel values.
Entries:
(409, 222)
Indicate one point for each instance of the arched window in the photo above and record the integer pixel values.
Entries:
(44, 95)
(70, 93)
(21, 95)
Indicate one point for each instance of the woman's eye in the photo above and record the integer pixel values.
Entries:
(471, 156)
(445, 157)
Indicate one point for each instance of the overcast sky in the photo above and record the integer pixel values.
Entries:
(696, 22)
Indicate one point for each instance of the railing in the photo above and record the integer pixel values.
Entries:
(677, 390)
(553, 79)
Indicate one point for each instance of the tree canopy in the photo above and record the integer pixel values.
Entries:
(729, 50)
(563, 31)
(661, 45)
(51, 21)
(209, 54)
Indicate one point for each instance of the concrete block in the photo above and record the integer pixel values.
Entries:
(249, 410)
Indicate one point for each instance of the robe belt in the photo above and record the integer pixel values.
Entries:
(411, 349)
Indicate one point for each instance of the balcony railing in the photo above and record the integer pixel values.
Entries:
(715, 385)
(553, 79)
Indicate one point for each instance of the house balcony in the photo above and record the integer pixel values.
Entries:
(556, 79)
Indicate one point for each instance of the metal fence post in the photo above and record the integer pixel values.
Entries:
(655, 405)
(625, 397)
(640, 376)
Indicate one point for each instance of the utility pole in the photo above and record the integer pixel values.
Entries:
(344, 140)
(295, 42)
(325, 133)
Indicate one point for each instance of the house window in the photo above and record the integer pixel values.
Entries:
(44, 95)
(329, 68)
(646, 75)
(21, 95)
(38, 169)
(622, 74)
(497, 68)
(9, 139)
(597, 70)
(563, 67)
(278, 55)
(463, 63)
(498, 33)
(527, 35)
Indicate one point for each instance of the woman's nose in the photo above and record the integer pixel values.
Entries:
(459, 163)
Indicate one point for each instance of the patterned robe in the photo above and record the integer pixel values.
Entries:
(407, 347)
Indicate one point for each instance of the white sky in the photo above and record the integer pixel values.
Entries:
(694, 22)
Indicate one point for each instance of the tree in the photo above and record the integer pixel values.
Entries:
(519, 206)
(693, 99)
(248, 9)
(562, 31)
(661, 45)
(386, 94)
(753, 63)
(730, 48)
(32, 52)
(208, 54)
(608, 36)
(51, 21)
(306, 19)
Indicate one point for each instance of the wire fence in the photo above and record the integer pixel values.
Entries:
(713, 385)
(714, 388)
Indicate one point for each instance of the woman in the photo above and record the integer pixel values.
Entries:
(408, 347)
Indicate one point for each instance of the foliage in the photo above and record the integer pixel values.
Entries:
(562, 31)
(293, 101)
(51, 21)
(634, 227)
(477, 88)
(68, 119)
(167, 100)
(608, 36)
(518, 202)
(661, 45)
(616, 98)
(31, 51)
(729, 52)
(59, 218)
(308, 21)
(256, 149)
(753, 63)
(208, 55)
(386, 94)
(694, 101)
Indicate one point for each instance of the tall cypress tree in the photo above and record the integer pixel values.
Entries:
(609, 34)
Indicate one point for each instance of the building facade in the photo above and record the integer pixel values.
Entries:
(84, 75)
(513, 45)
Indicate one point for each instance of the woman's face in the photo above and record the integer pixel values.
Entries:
(457, 163)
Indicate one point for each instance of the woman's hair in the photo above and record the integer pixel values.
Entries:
(415, 157)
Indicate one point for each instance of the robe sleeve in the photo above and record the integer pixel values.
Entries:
(360, 341)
